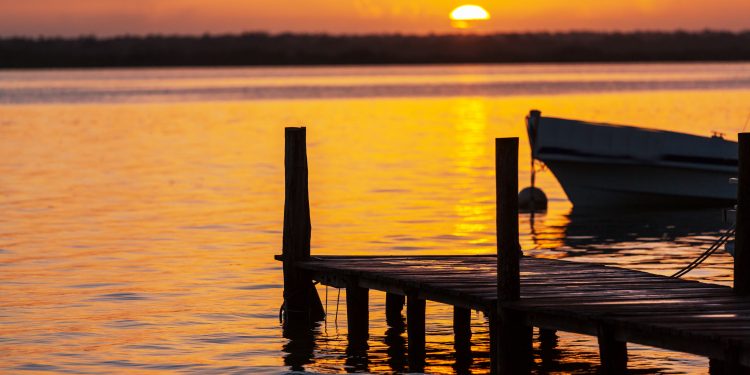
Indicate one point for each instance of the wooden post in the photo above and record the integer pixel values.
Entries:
(462, 330)
(415, 331)
(730, 365)
(301, 301)
(548, 352)
(613, 354)
(494, 351)
(514, 341)
(547, 338)
(508, 247)
(394, 303)
(462, 340)
(742, 234)
(357, 313)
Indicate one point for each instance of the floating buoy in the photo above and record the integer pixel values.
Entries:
(532, 199)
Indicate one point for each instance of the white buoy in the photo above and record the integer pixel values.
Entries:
(532, 199)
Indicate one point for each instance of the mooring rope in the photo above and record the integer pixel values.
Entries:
(712, 249)
(336, 317)
(325, 317)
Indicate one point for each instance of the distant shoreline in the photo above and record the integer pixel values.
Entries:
(262, 49)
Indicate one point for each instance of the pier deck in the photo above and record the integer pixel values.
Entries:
(518, 293)
(688, 316)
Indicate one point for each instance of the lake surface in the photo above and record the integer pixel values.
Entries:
(141, 208)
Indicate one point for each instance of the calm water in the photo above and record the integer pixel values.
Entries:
(141, 209)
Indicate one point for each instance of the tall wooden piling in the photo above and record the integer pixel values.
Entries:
(301, 301)
(742, 234)
(415, 331)
(513, 346)
(508, 247)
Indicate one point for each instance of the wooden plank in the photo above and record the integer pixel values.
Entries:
(576, 297)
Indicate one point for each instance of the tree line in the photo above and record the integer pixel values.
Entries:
(321, 49)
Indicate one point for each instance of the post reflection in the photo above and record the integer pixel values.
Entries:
(357, 359)
(549, 354)
(300, 349)
(396, 343)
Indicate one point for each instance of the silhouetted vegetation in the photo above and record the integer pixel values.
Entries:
(321, 49)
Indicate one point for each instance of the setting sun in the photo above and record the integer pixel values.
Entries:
(469, 13)
(466, 16)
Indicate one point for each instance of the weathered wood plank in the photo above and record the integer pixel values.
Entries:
(560, 295)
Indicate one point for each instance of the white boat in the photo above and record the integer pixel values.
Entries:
(615, 165)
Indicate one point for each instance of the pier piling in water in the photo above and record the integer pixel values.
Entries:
(462, 330)
(394, 303)
(301, 301)
(415, 331)
(357, 312)
(514, 343)
(742, 233)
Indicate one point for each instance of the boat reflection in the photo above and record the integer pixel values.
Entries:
(590, 232)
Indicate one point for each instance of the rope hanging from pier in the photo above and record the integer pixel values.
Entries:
(712, 249)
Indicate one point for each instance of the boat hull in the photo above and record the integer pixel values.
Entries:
(623, 185)
(614, 165)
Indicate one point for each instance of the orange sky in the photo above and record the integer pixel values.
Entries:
(108, 17)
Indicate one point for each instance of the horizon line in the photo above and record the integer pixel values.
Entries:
(470, 33)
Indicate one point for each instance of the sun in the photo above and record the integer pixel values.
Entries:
(468, 16)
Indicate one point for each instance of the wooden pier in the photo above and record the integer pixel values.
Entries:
(615, 305)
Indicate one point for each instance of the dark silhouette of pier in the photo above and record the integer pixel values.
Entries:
(517, 293)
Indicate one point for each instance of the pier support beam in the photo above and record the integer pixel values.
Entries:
(415, 331)
(613, 354)
(462, 339)
(301, 301)
(357, 322)
(730, 365)
(742, 234)
(394, 303)
(357, 313)
(548, 352)
(514, 337)
(462, 330)
(547, 338)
